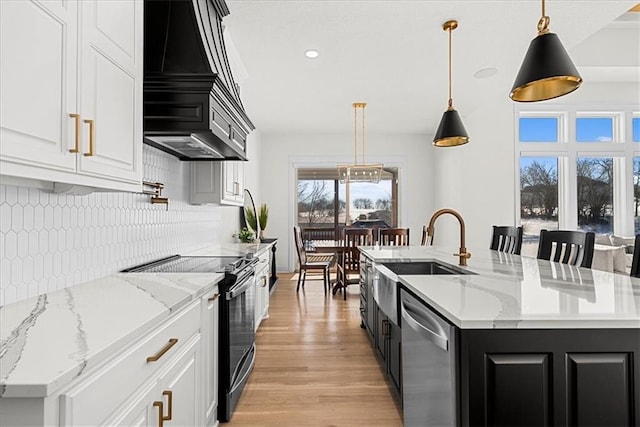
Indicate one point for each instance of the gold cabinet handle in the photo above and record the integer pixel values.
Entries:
(163, 350)
(160, 405)
(213, 298)
(169, 395)
(264, 281)
(91, 136)
(76, 118)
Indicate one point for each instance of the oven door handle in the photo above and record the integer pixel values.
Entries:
(240, 288)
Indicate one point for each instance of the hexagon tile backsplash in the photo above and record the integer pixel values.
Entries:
(50, 241)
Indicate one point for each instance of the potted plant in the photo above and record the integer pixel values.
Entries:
(263, 215)
(245, 235)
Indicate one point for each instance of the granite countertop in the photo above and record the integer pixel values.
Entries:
(510, 291)
(48, 340)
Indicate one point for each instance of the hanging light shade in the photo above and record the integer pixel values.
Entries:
(546, 72)
(359, 172)
(451, 131)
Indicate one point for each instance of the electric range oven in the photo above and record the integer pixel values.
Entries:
(236, 327)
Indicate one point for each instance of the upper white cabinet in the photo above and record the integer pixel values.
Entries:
(217, 182)
(71, 76)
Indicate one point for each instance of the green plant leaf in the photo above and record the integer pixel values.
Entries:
(263, 215)
(250, 215)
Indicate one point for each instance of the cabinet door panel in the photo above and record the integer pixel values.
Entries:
(38, 83)
(210, 357)
(183, 381)
(115, 25)
(518, 388)
(110, 93)
(599, 389)
(138, 411)
(394, 357)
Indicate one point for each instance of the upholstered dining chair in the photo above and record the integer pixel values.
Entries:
(349, 265)
(311, 262)
(567, 247)
(635, 263)
(506, 239)
(393, 236)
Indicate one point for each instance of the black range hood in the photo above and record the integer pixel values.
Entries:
(192, 107)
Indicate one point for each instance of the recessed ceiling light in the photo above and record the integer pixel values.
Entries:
(485, 73)
(311, 53)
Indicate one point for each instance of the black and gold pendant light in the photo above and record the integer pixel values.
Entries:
(547, 72)
(451, 131)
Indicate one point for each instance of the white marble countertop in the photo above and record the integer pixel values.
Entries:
(47, 341)
(510, 291)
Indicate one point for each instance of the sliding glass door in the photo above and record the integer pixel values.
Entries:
(325, 205)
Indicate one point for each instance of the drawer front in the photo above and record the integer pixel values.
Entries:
(94, 398)
(263, 260)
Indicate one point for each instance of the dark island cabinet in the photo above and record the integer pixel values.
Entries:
(385, 336)
(550, 377)
(386, 343)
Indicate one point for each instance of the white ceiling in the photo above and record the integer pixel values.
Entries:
(393, 55)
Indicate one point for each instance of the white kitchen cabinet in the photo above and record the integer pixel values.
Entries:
(210, 322)
(124, 390)
(220, 182)
(71, 79)
(262, 288)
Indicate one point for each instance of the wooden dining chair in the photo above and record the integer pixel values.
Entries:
(393, 236)
(506, 239)
(635, 263)
(567, 247)
(349, 265)
(426, 239)
(308, 262)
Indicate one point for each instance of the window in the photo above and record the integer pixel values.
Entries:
(594, 129)
(577, 169)
(326, 206)
(538, 129)
(595, 194)
(538, 199)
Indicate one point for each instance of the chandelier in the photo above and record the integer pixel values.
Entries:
(359, 172)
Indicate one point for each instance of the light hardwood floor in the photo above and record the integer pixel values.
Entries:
(314, 365)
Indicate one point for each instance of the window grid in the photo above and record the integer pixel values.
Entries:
(567, 150)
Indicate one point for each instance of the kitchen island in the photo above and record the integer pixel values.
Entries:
(533, 342)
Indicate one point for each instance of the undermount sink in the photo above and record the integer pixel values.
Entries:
(424, 267)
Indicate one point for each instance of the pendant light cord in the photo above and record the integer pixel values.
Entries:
(543, 23)
(363, 137)
(450, 66)
(357, 105)
(355, 134)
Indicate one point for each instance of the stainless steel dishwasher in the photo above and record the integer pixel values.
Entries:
(428, 366)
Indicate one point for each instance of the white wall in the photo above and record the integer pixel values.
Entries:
(477, 179)
(413, 154)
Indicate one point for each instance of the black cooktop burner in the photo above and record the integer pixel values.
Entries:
(187, 264)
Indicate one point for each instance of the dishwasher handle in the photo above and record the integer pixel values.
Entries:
(424, 324)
